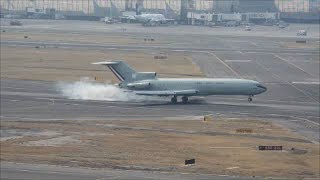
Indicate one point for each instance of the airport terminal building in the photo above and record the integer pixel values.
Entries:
(290, 10)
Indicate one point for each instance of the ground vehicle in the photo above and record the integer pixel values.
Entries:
(302, 32)
(15, 23)
(247, 28)
(282, 24)
(232, 24)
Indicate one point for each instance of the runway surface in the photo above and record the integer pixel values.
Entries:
(10, 171)
(39, 100)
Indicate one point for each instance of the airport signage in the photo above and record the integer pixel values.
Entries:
(189, 161)
(270, 148)
(262, 15)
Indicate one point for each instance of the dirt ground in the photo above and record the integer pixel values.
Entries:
(106, 38)
(57, 64)
(217, 146)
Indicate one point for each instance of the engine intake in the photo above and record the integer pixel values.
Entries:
(139, 85)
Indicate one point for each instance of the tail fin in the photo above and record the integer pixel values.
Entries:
(120, 69)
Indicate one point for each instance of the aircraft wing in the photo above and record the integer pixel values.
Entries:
(168, 92)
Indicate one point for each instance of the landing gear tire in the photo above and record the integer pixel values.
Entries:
(184, 99)
(174, 100)
(249, 99)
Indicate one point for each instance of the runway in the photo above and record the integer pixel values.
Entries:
(171, 47)
(39, 101)
(10, 171)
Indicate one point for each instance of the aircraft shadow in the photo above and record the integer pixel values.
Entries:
(197, 102)
(190, 102)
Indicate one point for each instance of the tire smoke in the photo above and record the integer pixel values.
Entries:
(86, 89)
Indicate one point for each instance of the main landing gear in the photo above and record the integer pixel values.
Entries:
(184, 99)
(250, 98)
(174, 99)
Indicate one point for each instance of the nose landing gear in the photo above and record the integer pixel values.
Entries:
(250, 98)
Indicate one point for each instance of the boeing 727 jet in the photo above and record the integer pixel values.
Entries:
(147, 83)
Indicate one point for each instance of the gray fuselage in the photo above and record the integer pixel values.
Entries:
(204, 86)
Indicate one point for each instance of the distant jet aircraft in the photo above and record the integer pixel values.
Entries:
(153, 19)
(147, 83)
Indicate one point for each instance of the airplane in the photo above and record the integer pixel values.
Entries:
(147, 83)
(153, 19)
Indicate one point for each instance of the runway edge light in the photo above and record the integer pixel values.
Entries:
(208, 117)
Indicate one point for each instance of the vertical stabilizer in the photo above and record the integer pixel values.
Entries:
(120, 69)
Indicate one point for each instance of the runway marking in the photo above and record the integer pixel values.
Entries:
(255, 44)
(229, 147)
(14, 100)
(291, 64)
(50, 99)
(225, 64)
(49, 172)
(237, 60)
(255, 52)
(315, 83)
(279, 78)
(318, 124)
(12, 88)
(24, 170)
(294, 118)
(179, 50)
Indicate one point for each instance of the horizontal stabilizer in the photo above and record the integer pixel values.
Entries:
(106, 63)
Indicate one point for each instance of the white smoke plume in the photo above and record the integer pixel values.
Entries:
(86, 89)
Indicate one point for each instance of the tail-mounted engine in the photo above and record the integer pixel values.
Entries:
(139, 85)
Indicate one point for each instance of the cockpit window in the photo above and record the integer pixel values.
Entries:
(260, 86)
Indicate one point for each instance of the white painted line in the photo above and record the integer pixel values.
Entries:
(229, 147)
(255, 44)
(291, 64)
(316, 83)
(294, 120)
(307, 120)
(40, 119)
(279, 78)
(225, 64)
(14, 100)
(12, 88)
(179, 50)
(237, 60)
(25, 170)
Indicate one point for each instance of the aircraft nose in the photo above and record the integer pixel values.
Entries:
(263, 88)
